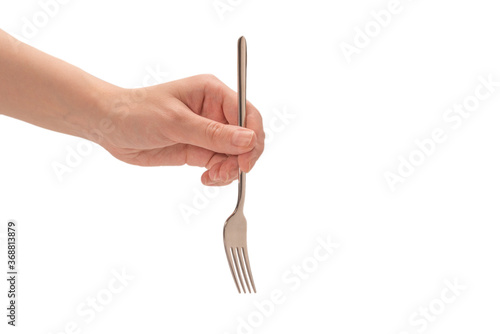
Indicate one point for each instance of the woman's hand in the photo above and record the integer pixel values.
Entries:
(190, 121)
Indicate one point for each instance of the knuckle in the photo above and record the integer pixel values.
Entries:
(176, 115)
(214, 131)
(209, 78)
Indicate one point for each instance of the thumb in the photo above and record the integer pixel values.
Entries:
(217, 137)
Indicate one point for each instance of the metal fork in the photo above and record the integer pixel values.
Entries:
(235, 228)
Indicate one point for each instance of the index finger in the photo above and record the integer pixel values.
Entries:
(253, 121)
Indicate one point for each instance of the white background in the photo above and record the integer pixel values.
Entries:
(322, 174)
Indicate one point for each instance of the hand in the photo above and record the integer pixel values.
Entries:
(190, 121)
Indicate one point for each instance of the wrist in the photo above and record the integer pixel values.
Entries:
(99, 121)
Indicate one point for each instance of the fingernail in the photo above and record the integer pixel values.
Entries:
(212, 180)
(212, 175)
(242, 138)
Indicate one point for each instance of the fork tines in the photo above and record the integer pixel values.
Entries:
(237, 257)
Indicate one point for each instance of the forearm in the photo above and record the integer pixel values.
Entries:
(48, 92)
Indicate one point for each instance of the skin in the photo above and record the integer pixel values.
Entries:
(189, 121)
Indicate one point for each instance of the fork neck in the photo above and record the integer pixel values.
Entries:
(241, 191)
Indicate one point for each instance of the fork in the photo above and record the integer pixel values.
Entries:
(235, 228)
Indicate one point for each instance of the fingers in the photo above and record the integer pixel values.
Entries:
(221, 103)
(253, 121)
(207, 112)
(222, 173)
(247, 160)
(212, 135)
(221, 168)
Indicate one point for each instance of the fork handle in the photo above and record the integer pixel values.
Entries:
(242, 81)
(242, 111)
